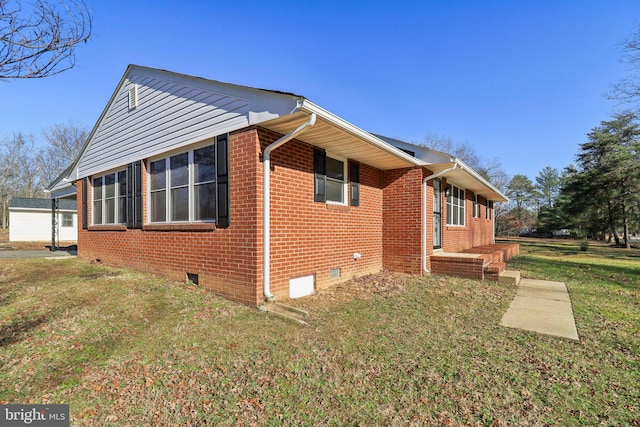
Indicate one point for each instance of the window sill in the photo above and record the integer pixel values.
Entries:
(337, 207)
(205, 226)
(112, 227)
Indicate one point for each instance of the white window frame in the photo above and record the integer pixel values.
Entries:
(476, 206)
(191, 186)
(66, 220)
(116, 196)
(456, 203)
(345, 181)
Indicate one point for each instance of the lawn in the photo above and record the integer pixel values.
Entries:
(125, 348)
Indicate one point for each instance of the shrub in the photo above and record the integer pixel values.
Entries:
(584, 244)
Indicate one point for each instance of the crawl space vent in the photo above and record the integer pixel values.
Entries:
(133, 97)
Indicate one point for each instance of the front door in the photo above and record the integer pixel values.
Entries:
(437, 214)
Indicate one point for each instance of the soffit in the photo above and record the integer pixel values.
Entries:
(347, 142)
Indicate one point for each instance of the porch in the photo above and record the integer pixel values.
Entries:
(481, 262)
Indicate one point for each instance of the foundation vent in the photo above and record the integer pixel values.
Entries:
(192, 278)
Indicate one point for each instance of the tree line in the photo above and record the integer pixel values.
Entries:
(28, 165)
(598, 197)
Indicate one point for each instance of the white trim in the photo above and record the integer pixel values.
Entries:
(475, 204)
(464, 206)
(116, 197)
(166, 157)
(345, 182)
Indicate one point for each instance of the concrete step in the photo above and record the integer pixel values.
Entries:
(510, 276)
(286, 311)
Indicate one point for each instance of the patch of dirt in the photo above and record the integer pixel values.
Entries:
(94, 276)
(364, 287)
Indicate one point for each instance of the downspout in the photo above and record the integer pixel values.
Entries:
(266, 198)
(424, 213)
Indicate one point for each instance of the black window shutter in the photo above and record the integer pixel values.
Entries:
(134, 195)
(320, 178)
(137, 194)
(130, 195)
(354, 183)
(85, 204)
(222, 181)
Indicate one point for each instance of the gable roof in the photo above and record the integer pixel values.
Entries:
(175, 110)
(36, 203)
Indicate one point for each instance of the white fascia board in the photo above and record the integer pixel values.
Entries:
(470, 171)
(309, 107)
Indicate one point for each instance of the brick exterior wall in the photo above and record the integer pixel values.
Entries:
(307, 237)
(227, 261)
(476, 232)
(402, 246)
(312, 238)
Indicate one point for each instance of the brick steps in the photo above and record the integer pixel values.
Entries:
(483, 262)
(494, 270)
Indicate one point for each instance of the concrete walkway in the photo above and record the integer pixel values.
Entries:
(542, 306)
(37, 254)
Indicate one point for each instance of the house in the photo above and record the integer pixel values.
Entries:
(258, 194)
(30, 220)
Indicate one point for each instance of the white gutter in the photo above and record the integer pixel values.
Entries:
(424, 212)
(266, 198)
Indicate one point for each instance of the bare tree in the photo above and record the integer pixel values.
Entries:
(18, 171)
(490, 169)
(628, 88)
(39, 38)
(64, 142)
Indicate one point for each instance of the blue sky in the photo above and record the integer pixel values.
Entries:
(523, 81)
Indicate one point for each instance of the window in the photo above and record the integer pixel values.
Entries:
(158, 190)
(455, 205)
(336, 183)
(191, 186)
(330, 175)
(204, 184)
(489, 213)
(109, 199)
(67, 220)
(476, 206)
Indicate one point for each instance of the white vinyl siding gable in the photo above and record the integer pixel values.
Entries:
(168, 115)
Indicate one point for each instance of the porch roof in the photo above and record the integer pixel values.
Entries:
(462, 175)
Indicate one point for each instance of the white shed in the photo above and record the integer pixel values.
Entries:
(30, 220)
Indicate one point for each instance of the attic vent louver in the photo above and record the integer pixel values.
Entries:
(133, 97)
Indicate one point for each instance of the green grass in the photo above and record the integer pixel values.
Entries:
(125, 348)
